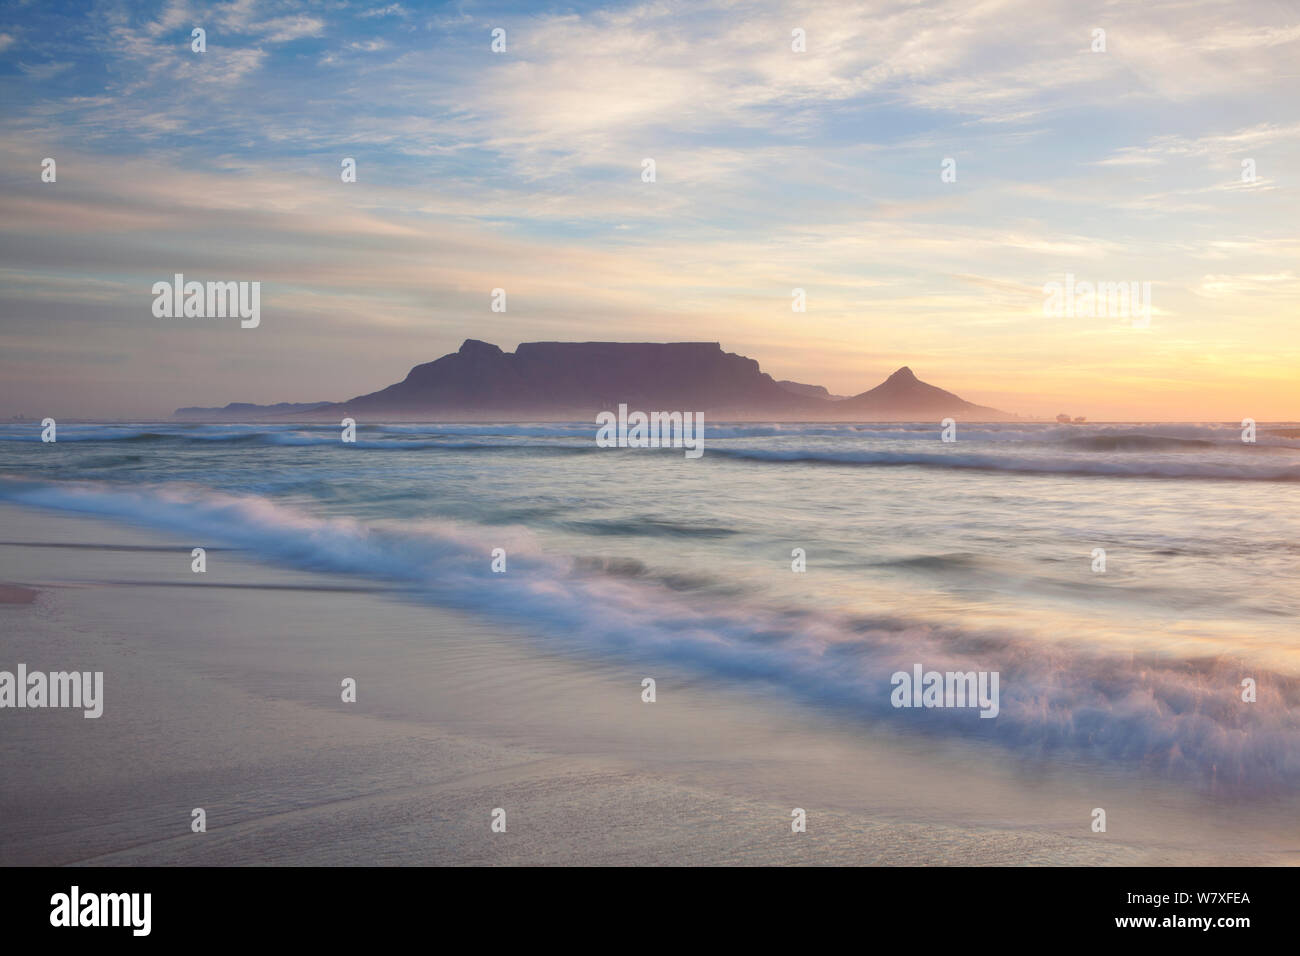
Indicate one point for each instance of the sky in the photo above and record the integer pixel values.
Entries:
(1168, 157)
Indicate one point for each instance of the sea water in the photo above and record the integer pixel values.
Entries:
(1132, 585)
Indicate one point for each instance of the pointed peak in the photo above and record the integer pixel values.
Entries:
(470, 346)
(903, 374)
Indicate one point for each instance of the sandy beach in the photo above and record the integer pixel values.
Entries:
(222, 691)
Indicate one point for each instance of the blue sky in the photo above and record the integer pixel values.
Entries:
(775, 170)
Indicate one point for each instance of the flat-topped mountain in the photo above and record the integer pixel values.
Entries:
(577, 379)
(572, 381)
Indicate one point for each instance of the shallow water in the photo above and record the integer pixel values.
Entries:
(975, 555)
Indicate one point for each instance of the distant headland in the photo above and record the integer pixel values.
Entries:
(572, 381)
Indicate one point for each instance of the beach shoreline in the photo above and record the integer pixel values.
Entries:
(222, 692)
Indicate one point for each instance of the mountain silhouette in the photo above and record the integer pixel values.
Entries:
(904, 396)
(572, 381)
(816, 391)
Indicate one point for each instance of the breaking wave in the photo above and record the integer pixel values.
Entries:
(1176, 716)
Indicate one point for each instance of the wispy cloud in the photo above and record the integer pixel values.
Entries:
(775, 169)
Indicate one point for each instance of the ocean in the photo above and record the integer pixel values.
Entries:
(1126, 582)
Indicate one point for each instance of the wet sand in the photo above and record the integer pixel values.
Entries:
(222, 691)
(15, 595)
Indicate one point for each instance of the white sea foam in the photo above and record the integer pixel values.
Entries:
(1175, 716)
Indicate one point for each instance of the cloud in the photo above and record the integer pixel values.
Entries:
(392, 10)
(287, 29)
(775, 169)
(43, 71)
(1282, 285)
